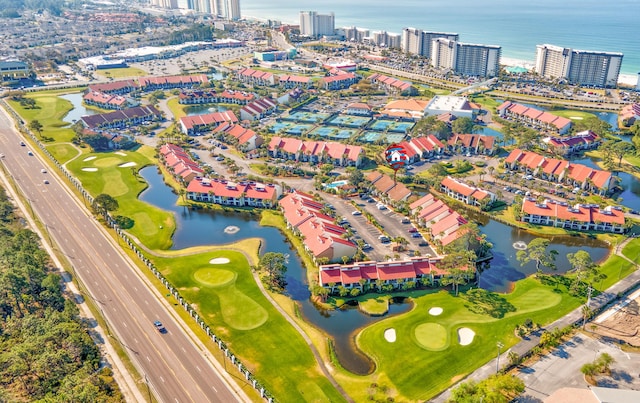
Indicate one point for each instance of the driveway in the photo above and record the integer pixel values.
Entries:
(561, 368)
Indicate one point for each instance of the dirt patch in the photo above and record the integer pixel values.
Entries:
(624, 325)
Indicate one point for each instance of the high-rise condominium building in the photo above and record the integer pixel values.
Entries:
(227, 9)
(466, 58)
(583, 67)
(316, 25)
(418, 42)
(388, 39)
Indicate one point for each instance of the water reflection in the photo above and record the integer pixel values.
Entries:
(201, 227)
(78, 110)
(630, 194)
(203, 109)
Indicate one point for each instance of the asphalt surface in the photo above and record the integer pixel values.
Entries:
(175, 366)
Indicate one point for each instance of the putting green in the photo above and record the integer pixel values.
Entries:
(215, 277)
(108, 162)
(240, 311)
(432, 336)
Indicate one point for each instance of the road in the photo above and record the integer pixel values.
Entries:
(175, 364)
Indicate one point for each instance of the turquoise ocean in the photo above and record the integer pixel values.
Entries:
(516, 25)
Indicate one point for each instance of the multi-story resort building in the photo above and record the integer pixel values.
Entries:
(466, 58)
(386, 39)
(317, 25)
(195, 125)
(465, 193)
(210, 96)
(374, 274)
(560, 171)
(104, 100)
(419, 42)
(258, 109)
(237, 194)
(179, 163)
(257, 77)
(321, 236)
(122, 118)
(534, 117)
(13, 70)
(471, 143)
(579, 217)
(583, 67)
(170, 82)
(227, 9)
(391, 84)
(329, 152)
(443, 223)
(585, 140)
(387, 188)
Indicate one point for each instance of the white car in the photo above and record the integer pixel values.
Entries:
(44, 171)
(356, 212)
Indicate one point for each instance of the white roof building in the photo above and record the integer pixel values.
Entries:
(457, 106)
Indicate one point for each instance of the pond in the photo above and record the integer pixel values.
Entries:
(203, 109)
(630, 194)
(505, 269)
(78, 110)
(200, 227)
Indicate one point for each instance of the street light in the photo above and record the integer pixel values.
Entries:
(499, 345)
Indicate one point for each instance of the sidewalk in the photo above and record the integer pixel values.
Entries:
(597, 303)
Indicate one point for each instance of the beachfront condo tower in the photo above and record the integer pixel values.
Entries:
(418, 42)
(317, 25)
(583, 67)
(466, 58)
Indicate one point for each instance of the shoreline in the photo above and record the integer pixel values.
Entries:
(626, 79)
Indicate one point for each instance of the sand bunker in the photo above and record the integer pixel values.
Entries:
(127, 164)
(435, 311)
(390, 335)
(120, 153)
(93, 157)
(219, 260)
(90, 169)
(576, 117)
(465, 336)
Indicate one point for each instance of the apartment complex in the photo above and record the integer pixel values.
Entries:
(584, 67)
(227, 9)
(387, 39)
(418, 42)
(579, 217)
(317, 25)
(466, 58)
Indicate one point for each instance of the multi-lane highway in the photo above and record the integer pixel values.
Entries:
(175, 365)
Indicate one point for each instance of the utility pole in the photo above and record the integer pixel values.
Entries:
(499, 345)
(589, 297)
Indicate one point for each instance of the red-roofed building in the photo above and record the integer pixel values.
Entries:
(585, 140)
(316, 151)
(555, 170)
(442, 222)
(359, 109)
(247, 139)
(256, 77)
(629, 114)
(535, 117)
(197, 124)
(426, 146)
(386, 187)
(471, 143)
(238, 194)
(392, 84)
(104, 100)
(578, 217)
(115, 87)
(179, 163)
(169, 82)
(340, 81)
(258, 109)
(465, 193)
(321, 236)
(291, 81)
(197, 97)
(373, 274)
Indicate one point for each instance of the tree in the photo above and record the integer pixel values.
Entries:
(499, 388)
(355, 177)
(462, 125)
(455, 277)
(582, 264)
(273, 264)
(604, 362)
(104, 202)
(537, 251)
(36, 126)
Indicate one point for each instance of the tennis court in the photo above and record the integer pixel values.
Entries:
(372, 137)
(391, 126)
(333, 133)
(289, 128)
(307, 117)
(349, 121)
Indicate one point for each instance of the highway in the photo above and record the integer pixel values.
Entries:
(175, 367)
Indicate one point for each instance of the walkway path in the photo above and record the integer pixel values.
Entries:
(597, 303)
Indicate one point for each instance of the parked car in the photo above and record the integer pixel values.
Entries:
(356, 212)
(416, 235)
(413, 230)
(634, 212)
(44, 171)
(366, 246)
(381, 207)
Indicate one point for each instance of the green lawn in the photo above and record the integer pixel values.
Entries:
(104, 174)
(434, 357)
(63, 152)
(632, 250)
(231, 303)
(49, 112)
(122, 72)
(573, 114)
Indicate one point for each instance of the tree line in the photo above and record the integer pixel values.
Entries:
(46, 351)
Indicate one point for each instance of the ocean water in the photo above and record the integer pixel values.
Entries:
(516, 25)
